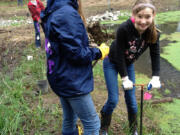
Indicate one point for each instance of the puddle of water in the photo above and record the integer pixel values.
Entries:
(169, 28)
(178, 27)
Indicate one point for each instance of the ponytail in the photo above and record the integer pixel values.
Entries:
(81, 13)
(152, 34)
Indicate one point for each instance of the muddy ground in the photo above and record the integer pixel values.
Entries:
(93, 7)
(19, 37)
(14, 39)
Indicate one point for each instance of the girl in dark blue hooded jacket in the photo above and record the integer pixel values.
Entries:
(69, 64)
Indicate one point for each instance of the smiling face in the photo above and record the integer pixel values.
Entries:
(143, 19)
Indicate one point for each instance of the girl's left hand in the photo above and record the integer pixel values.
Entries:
(154, 83)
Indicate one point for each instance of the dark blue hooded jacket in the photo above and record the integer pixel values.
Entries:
(69, 57)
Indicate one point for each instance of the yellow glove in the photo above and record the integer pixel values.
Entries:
(80, 131)
(104, 50)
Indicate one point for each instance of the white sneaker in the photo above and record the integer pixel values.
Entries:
(135, 133)
(38, 38)
(103, 133)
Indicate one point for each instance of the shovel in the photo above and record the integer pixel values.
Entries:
(94, 45)
(144, 96)
(141, 105)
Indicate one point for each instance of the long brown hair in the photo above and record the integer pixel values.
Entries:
(81, 12)
(152, 34)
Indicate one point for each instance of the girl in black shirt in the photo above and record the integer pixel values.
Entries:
(133, 37)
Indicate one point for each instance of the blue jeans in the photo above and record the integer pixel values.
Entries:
(111, 78)
(20, 2)
(82, 107)
(37, 34)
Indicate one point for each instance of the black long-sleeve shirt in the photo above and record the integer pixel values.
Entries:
(129, 45)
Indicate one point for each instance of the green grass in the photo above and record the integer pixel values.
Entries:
(112, 22)
(171, 52)
(11, 2)
(167, 91)
(16, 24)
(16, 21)
(18, 18)
(164, 118)
(98, 69)
(21, 111)
(167, 117)
(142, 78)
(170, 16)
(157, 94)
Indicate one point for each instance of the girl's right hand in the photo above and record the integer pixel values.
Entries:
(127, 84)
(104, 50)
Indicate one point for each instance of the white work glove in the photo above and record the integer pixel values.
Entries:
(127, 84)
(38, 37)
(154, 83)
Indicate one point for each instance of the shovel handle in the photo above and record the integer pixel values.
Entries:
(144, 85)
(94, 45)
(141, 105)
(95, 63)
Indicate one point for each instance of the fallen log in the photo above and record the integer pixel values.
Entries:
(162, 100)
(4, 31)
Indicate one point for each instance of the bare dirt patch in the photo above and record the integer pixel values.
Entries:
(12, 43)
(93, 7)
